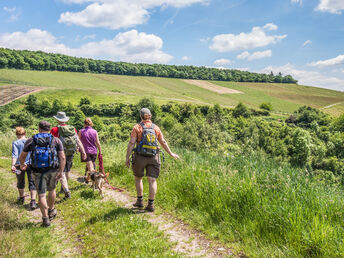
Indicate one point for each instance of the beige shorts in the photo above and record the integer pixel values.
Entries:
(151, 164)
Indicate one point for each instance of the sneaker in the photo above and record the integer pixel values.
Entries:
(21, 200)
(45, 222)
(138, 203)
(150, 207)
(67, 195)
(33, 205)
(52, 213)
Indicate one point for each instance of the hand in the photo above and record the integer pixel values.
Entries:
(13, 169)
(59, 175)
(127, 162)
(23, 167)
(84, 156)
(175, 156)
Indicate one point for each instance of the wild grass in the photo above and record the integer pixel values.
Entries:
(116, 88)
(249, 201)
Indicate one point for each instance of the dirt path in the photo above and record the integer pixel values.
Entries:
(210, 86)
(9, 93)
(332, 105)
(188, 241)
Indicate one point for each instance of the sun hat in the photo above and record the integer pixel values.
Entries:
(61, 116)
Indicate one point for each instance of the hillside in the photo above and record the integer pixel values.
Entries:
(103, 88)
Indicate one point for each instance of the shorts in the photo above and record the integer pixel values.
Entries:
(151, 164)
(21, 179)
(45, 181)
(90, 157)
(69, 163)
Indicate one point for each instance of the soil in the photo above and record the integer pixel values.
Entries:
(210, 86)
(9, 93)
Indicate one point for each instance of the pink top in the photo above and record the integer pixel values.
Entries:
(88, 139)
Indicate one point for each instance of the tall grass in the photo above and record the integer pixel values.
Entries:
(251, 201)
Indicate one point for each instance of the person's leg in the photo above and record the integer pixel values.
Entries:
(51, 187)
(51, 199)
(64, 183)
(42, 202)
(153, 187)
(139, 186)
(21, 186)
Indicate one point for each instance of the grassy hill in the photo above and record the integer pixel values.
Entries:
(285, 98)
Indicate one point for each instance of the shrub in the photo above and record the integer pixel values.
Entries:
(266, 105)
(241, 110)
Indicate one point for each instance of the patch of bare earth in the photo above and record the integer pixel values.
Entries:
(9, 93)
(189, 241)
(210, 86)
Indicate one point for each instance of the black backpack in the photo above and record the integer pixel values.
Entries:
(148, 146)
(43, 154)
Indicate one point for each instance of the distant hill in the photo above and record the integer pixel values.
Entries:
(38, 60)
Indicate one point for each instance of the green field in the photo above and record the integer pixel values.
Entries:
(109, 88)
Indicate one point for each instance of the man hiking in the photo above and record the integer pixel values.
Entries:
(146, 156)
(17, 148)
(70, 140)
(47, 164)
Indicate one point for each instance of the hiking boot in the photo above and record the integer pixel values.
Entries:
(20, 200)
(52, 213)
(150, 207)
(67, 195)
(138, 203)
(45, 222)
(33, 205)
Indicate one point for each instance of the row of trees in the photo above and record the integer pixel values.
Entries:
(38, 60)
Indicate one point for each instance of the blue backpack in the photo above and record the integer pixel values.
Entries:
(148, 146)
(44, 154)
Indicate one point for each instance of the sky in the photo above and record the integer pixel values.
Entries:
(303, 38)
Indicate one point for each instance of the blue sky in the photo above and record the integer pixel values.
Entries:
(304, 38)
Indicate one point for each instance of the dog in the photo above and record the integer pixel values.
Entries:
(98, 180)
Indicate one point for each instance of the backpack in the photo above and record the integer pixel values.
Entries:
(68, 138)
(44, 155)
(148, 146)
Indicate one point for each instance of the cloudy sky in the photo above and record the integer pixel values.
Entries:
(304, 38)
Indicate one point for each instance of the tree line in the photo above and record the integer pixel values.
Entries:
(41, 61)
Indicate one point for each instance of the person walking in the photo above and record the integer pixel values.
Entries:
(17, 148)
(47, 164)
(68, 136)
(90, 140)
(146, 156)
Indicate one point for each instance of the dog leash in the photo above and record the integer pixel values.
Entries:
(101, 168)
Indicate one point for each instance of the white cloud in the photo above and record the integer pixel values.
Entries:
(307, 42)
(310, 78)
(244, 41)
(296, 2)
(254, 55)
(331, 6)
(185, 58)
(14, 13)
(329, 62)
(130, 46)
(270, 26)
(116, 14)
(222, 62)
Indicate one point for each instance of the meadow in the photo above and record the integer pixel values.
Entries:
(236, 180)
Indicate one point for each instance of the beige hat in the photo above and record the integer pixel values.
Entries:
(61, 116)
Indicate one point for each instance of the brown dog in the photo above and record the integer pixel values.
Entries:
(97, 179)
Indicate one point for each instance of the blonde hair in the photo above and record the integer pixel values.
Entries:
(88, 122)
(20, 131)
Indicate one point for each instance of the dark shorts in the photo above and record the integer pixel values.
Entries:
(45, 181)
(21, 178)
(69, 163)
(90, 157)
(151, 164)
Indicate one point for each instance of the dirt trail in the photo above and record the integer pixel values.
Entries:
(188, 241)
(332, 105)
(210, 86)
(9, 93)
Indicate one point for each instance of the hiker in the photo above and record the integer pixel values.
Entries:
(17, 148)
(146, 156)
(47, 164)
(90, 140)
(68, 136)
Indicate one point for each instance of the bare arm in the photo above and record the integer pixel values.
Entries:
(130, 148)
(22, 159)
(164, 144)
(98, 144)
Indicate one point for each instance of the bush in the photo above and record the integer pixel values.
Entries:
(241, 110)
(23, 118)
(266, 106)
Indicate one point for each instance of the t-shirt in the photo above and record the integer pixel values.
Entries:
(88, 139)
(55, 131)
(138, 130)
(17, 148)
